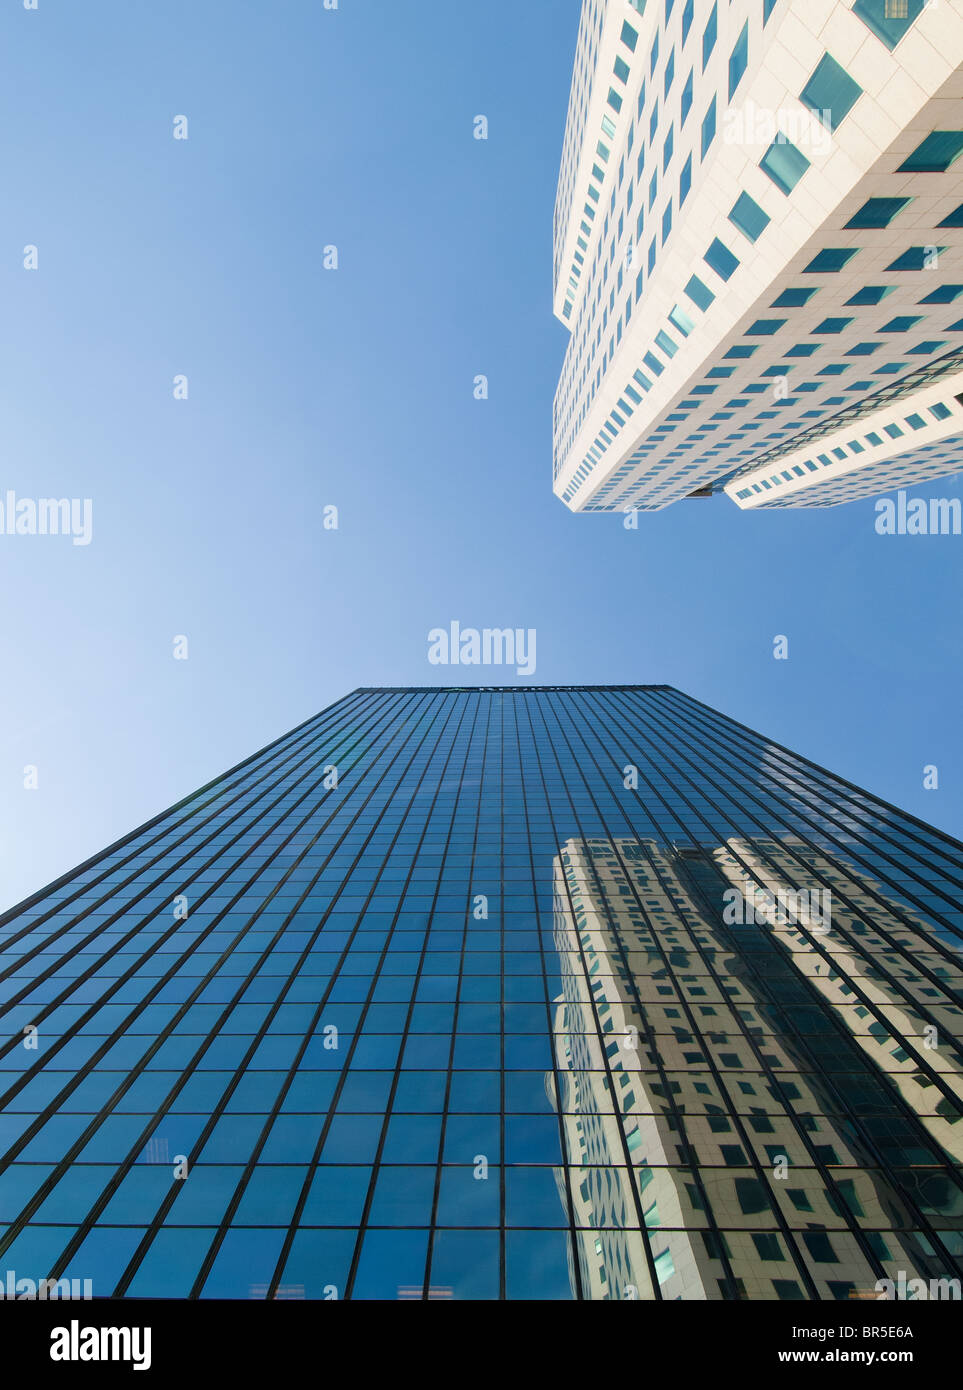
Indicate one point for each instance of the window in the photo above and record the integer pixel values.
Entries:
(749, 217)
(871, 294)
(687, 14)
(720, 259)
(832, 325)
(764, 328)
(615, 101)
(793, 299)
(888, 19)
(667, 148)
(944, 294)
(738, 59)
(630, 36)
(621, 70)
(955, 218)
(940, 411)
(901, 324)
(767, 8)
(709, 36)
(709, 127)
(654, 55)
(667, 222)
(863, 349)
(699, 293)
(878, 212)
(935, 154)
(830, 92)
(686, 99)
(916, 422)
(916, 258)
(832, 259)
(685, 325)
(669, 73)
(784, 164)
(685, 180)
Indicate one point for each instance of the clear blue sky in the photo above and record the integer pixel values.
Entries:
(354, 388)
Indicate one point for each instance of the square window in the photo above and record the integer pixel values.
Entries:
(699, 293)
(720, 259)
(871, 294)
(749, 217)
(630, 36)
(935, 154)
(830, 92)
(831, 259)
(878, 212)
(793, 298)
(901, 324)
(888, 19)
(709, 127)
(738, 60)
(709, 35)
(916, 258)
(784, 164)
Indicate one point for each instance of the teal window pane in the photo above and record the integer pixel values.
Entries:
(686, 103)
(709, 35)
(871, 294)
(720, 259)
(784, 164)
(916, 257)
(709, 127)
(764, 327)
(793, 298)
(739, 59)
(830, 92)
(944, 294)
(935, 154)
(630, 36)
(888, 19)
(699, 293)
(749, 217)
(878, 212)
(831, 259)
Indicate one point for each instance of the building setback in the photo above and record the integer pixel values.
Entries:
(758, 242)
(560, 992)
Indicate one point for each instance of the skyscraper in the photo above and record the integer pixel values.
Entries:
(561, 992)
(758, 243)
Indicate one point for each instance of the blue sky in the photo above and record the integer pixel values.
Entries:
(354, 388)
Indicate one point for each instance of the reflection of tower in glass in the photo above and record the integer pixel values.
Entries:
(711, 1096)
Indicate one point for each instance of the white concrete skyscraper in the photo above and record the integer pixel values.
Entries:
(759, 251)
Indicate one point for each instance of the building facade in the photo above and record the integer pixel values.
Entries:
(758, 240)
(508, 993)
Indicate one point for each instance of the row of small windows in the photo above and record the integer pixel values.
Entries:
(873, 440)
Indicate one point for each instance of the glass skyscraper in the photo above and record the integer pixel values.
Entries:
(563, 992)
